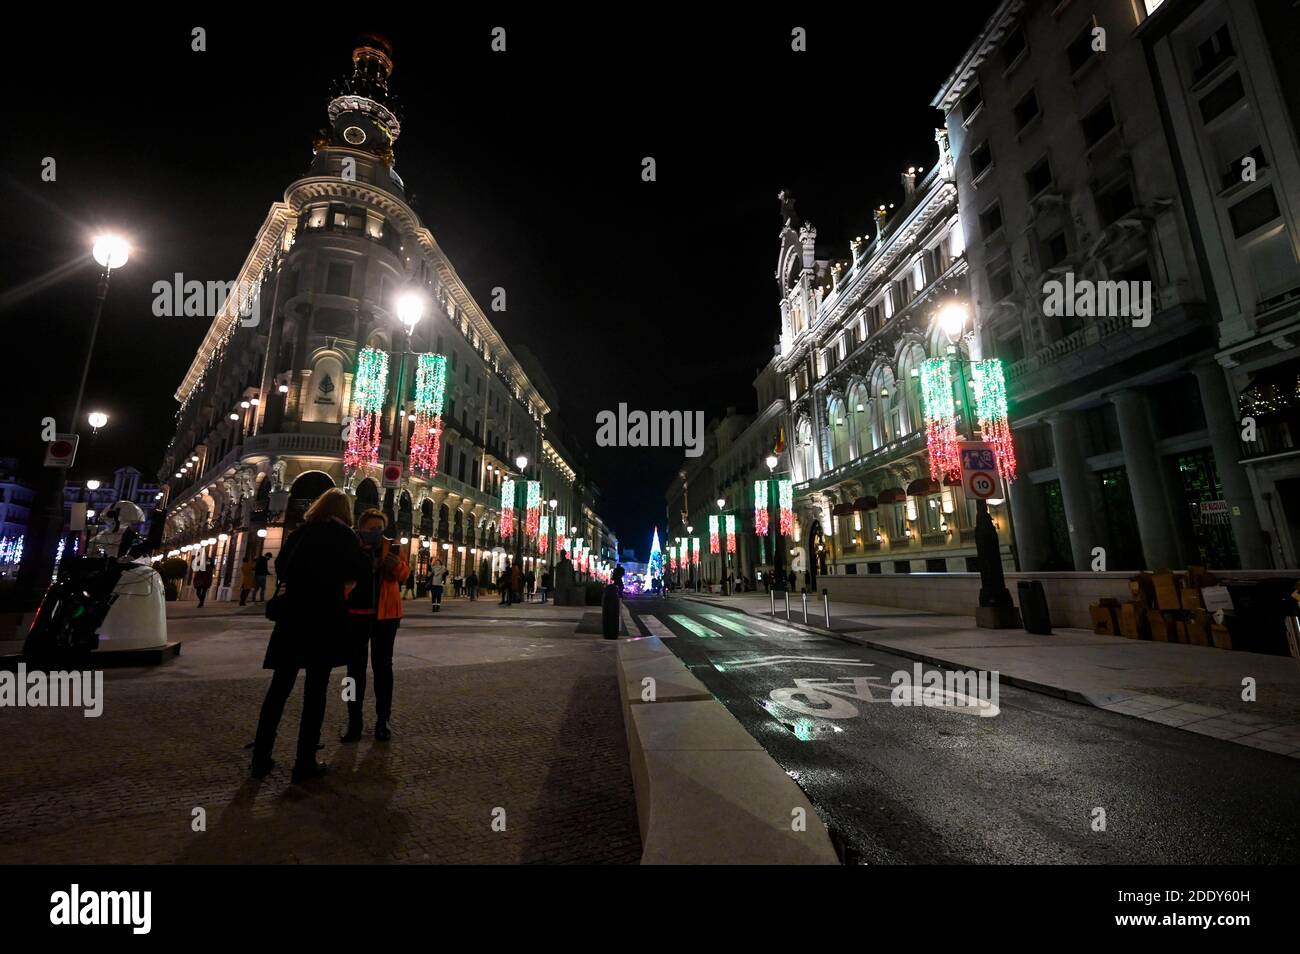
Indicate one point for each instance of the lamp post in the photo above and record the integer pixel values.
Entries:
(109, 252)
(551, 538)
(996, 609)
(410, 309)
(521, 489)
(774, 525)
(724, 561)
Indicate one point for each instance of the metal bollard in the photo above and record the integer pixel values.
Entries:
(772, 595)
(787, 606)
(826, 605)
(804, 594)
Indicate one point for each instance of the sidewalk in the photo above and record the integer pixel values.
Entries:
(1195, 688)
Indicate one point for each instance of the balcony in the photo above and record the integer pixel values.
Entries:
(309, 445)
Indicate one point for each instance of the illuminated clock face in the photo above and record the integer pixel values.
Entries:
(354, 135)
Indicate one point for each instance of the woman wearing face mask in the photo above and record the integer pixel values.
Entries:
(375, 609)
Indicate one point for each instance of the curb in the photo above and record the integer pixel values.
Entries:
(706, 791)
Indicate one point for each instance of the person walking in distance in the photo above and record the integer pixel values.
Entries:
(437, 580)
(471, 585)
(202, 575)
(516, 582)
(410, 580)
(503, 583)
(245, 579)
(318, 565)
(261, 570)
(618, 578)
(546, 584)
(375, 608)
(530, 582)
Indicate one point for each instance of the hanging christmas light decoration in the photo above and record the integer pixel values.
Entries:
(560, 529)
(533, 515)
(369, 385)
(731, 533)
(672, 557)
(430, 394)
(760, 508)
(695, 551)
(991, 413)
(543, 535)
(713, 534)
(785, 490)
(507, 507)
(940, 419)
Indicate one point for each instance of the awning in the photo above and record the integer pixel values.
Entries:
(893, 495)
(863, 504)
(923, 486)
(842, 510)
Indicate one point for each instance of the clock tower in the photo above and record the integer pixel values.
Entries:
(363, 116)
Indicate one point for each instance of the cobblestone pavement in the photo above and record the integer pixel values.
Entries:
(493, 710)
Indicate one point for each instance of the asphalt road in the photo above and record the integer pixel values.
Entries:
(947, 784)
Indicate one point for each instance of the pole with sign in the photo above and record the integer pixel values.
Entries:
(979, 475)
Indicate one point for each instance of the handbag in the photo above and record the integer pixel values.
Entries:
(276, 606)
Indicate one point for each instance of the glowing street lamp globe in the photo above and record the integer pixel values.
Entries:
(97, 419)
(772, 462)
(521, 462)
(952, 320)
(110, 251)
(410, 309)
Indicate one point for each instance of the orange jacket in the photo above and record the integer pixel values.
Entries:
(390, 586)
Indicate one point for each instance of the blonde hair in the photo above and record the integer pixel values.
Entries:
(332, 503)
(373, 513)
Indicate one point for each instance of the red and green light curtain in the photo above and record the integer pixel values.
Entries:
(785, 496)
(760, 508)
(731, 533)
(369, 385)
(533, 513)
(991, 413)
(940, 420)
(507, 507)
(714, 545)
(430, 394)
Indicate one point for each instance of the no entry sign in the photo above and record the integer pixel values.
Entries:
(392, 473)
(979, 469)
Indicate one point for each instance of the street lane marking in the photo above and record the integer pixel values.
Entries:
(730, 624)
(657, 628)
(702, 631)
(776, 660)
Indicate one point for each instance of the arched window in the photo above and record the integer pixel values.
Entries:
(806, 458)
(909, 378)
(837, 420)
(885, 421)
(857, 410)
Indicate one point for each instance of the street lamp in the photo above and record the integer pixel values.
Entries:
(772, 461)
(92, 485)
(952, 320)
(110, 251)
(96, 420)
(410, 309)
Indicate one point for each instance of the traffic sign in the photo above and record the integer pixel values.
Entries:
(61, 451)
(979, 469)
(392, 473)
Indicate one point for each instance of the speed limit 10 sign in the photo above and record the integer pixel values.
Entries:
(979, 469)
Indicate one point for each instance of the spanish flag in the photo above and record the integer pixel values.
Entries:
(779, 449)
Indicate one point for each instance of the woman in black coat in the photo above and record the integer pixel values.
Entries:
(317, 565)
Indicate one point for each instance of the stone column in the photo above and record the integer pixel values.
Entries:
(1072, 469)
(1027, 523)
(1142, 462)
(1221, 420)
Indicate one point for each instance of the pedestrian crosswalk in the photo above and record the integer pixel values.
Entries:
(697, 628)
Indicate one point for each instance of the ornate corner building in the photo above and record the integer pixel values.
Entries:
(272, 402)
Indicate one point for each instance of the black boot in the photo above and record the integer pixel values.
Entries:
(382, 733)
(306, 771)
(352, 731)
(262, 765)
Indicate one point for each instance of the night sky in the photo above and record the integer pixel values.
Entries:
(525, 166)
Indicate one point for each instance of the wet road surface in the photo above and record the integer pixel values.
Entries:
(957, 783)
